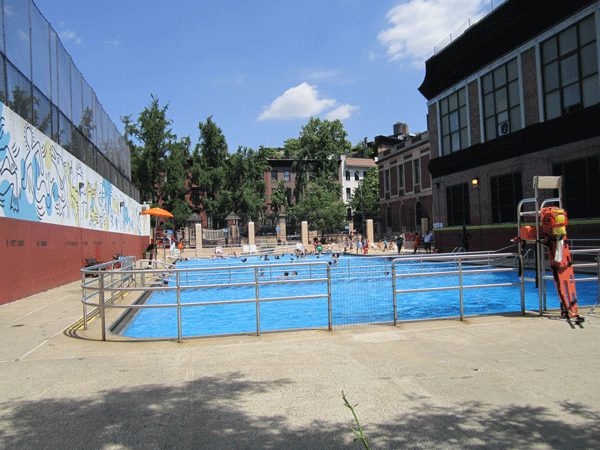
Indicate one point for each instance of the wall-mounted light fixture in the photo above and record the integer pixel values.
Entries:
(475, 182)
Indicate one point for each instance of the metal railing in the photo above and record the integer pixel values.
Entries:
(444, 265)
(150, 278)
(588, 264)
(106, 277)
(102, 285)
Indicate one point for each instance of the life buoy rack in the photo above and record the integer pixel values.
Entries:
(553, 234)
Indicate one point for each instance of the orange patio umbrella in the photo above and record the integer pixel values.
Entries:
(157, 212)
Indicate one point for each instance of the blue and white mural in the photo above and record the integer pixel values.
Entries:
(42, 182)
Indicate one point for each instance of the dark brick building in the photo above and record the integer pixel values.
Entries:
(515, 96)
(405, 184)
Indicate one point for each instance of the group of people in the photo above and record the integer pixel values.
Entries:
(417, 240)
(362, 246)
(426, 242)
(358, 244)
(175, 247)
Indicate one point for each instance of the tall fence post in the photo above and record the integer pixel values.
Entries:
(522, 284)
(394, 291)
(256, 291)
(101, 301)
(329, 297)
(177, 278)
(460, 282)
(84, 294)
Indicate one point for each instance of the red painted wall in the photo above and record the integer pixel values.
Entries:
(36, 257)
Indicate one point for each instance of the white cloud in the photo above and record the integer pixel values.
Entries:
(300, 102)
(341, 112)
(70, 35)
(334, 76)
(114, 42)
(419, 25)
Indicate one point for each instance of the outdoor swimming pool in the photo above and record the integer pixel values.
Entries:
(361, 292)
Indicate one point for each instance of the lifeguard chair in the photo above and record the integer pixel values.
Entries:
(549, 232)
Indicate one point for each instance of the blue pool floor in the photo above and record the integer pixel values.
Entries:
(367, 298)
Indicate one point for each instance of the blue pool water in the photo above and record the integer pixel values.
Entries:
(361, 293)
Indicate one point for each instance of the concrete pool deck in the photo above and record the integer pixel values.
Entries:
(493, 382)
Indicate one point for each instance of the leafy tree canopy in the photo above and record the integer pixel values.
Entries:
(322, 206)
(317, 151)
(174, 188)
(149, 139)
(246, 180)
(209, 161)
(366, 197)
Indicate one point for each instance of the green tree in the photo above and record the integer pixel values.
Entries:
(322, 206)
(366, 197)
(87, 126)
(280, 200)
(149, 139)
(246, 180)
(360, 150)
(208, 173)
(175, 183)
(21, 103)
(317, 151)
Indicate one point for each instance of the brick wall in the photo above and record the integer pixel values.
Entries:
(530, 92)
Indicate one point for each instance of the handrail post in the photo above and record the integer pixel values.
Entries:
(102, 312)
(330, 315)
(598, 274)
(460, 282)
(394, 290)
(522, 284)
(84, 293)
(257, 301)
(112, 283)
(177, 278)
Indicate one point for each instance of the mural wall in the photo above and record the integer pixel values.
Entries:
(55, 212)
(42, 182)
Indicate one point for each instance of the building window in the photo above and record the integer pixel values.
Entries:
(347, 175)
(453, 119)
(386, 180)
(501, 100)
(274, 175)
(507, 192)
(348, 194)
(356, 176)
(457, 198)
(417, 171)
(581, 184)
(570, 69)
(400, 177)
(286, 175)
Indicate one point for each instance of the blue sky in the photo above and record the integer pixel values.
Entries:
(261, 69)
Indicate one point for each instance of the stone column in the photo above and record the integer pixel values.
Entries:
(251, 233)
(282, 233)
(370, 230)
(305, 234)
(199, 236)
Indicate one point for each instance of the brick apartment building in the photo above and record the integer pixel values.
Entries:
(404, 181)
(515, 96)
